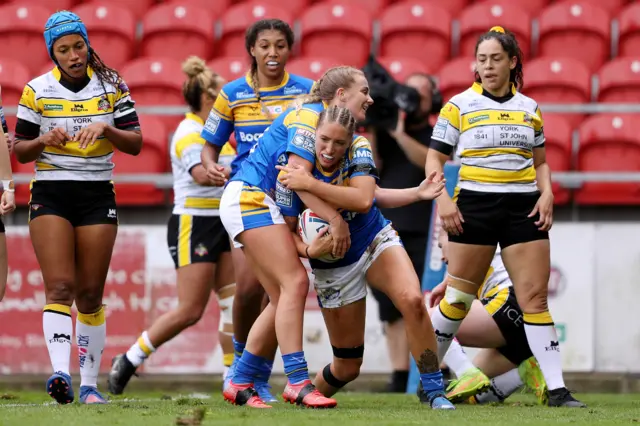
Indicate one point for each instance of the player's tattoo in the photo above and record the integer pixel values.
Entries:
(428, 362)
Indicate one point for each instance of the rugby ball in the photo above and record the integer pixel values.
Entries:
(309, 226)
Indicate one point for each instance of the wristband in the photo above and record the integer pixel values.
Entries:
(8, 186)
(307, 252)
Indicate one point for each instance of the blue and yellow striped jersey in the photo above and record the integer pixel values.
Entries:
(238, 110)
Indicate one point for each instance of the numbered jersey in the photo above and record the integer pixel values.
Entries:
(237, 109)
(364, 227)
(186, 146)
(494, 139)
(47, 104)
(497, 277)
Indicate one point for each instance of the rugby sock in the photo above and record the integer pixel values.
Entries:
(502, 387)
(58, 328)
(543, 341)
(457, 360)
(295, 367)
(91, 336)
(446, 321)
(140, 350)
(432, 382)
(265, 371)
(238, 347)
(248, 368)
(227, 359)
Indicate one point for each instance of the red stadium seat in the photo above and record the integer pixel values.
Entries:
(241, 16)
(558, 80)
(230, 68)
(532, 7)
(293, 7)
(156, 81)
(13, 77)
(575, 30)
(629, 28)
(312, 68)
(112, 31)
(137, 7)
(456, 76)
(609, 143)
(339, 30)
(375, 7)
(21, 29)
(152, 159)
(215, 7)
(51, 5)
(454, 7)
(177, 30)
(558, 148)
(479, 18)
(619, 81)
(612, 6)
(416, 29)
(401, 68)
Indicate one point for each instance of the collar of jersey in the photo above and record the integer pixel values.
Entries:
(194, 117)
(58, 75)
(477, 87)
(284, 82)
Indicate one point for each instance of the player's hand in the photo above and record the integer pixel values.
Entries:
(438, 293)
(295, 177)
(322, 244)
(216, 174)
(57, 137)
(87, 136)
(430, 188)
(544, 207)
(7, 202)
(339, 230)
(399, 130)
(450, 215)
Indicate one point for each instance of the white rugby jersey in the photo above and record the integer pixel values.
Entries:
(46, 103)
(186, 147)
(497, 277)
(494, 140)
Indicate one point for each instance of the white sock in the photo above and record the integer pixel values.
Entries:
(457, 360)
(543, 341)
(58, 328)
(502, 387)
(140, 350)
(91, 337)
(447, 326)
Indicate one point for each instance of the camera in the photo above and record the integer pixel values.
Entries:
(389, 96)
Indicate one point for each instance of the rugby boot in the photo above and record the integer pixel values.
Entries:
(243, 395)
(532, 377)
(59, 387)
(306, 394)
(561, 397)
(120, 374)
(90, 395)
(471, 383)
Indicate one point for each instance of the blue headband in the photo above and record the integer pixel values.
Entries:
(61, 24)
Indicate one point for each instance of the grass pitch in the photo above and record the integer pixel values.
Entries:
(357, 409)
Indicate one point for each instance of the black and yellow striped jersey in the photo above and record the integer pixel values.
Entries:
(494, 138)
(49, 102)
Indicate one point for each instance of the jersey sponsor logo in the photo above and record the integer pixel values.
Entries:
(362, 155)
(245, 95)
(505, 116)
(293, 90)
(213, 121)
(249, 137)
(440, 129)
(284, 196)
(275, 109)
(53, 107)
(527, 118)
(103, 104)
(306, 140)
(478, 118)
(78, 108)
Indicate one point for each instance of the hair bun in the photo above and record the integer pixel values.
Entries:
(193, 66)
(497, 29)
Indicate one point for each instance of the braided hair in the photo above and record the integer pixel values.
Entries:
(251, 37)
(339, 115)
(325, 88)
(510, 45)
(104, 73)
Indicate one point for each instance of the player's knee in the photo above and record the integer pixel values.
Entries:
(297, 285)
(346, 366)
(533, 301)
(88, 300)
(456, 303)
(226, 297)
(249, 292)
(411, 304)
(60, 292)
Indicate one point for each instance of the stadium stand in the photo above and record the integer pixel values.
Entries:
(577, 52)
(113, 31)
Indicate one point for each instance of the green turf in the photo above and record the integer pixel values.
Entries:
(353, 409)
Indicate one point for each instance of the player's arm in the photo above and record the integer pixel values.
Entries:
(125, 134)
(216, 132)
(188, 150)
(320, 246)
(28, 142)
(544, 206)
(429, 189)
(5, 161)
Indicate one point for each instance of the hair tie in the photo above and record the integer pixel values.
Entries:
(497, 29)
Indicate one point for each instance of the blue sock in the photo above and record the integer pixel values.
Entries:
(248, 368)
(295, 367)
(265, 371)
(432, 382)
(238, 348)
